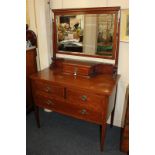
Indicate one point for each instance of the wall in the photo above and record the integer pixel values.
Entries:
(27, 13)
(39, 22)
(39, 17)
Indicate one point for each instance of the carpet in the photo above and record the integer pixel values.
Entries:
(62, 135)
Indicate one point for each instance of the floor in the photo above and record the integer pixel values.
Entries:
(62, 135)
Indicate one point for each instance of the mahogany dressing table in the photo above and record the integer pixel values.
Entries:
(84, 90)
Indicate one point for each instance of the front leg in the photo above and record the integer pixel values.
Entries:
(36, 112)
(103, 131)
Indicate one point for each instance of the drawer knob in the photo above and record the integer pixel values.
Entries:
(83, 111)
(49, 102)
(84, 98)
(75, 71)
(47, 89)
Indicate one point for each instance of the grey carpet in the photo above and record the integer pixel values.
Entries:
(62, 135)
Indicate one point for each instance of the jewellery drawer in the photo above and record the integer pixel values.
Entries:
(73, 70)
(50, 88)
(85, 69)
(85, 99)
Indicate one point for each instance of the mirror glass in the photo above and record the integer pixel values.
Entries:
(89, 34)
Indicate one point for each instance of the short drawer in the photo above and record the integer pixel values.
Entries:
(85, 99)
(47, 102)
(52, 89)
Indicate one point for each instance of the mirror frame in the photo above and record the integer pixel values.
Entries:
(97, 10)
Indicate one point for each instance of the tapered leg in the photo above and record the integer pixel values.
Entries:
(36, 112)
(103, 131)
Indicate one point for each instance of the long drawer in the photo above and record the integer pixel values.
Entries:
(84, 99)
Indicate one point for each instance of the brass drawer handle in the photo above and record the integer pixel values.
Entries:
(83, 111)
(47, 89)
(49, 102)
(84, 98)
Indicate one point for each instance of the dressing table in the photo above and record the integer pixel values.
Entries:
(84, 90)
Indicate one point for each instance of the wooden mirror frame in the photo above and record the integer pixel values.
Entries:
(96, 10)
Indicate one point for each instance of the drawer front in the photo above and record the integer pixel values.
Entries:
(47, 102)
(85, 99)
(86, 114)
(51, 89)
(76, 70)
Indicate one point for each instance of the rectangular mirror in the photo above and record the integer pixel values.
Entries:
(90, 33)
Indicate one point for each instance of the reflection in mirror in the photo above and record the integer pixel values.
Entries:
(90, 34)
